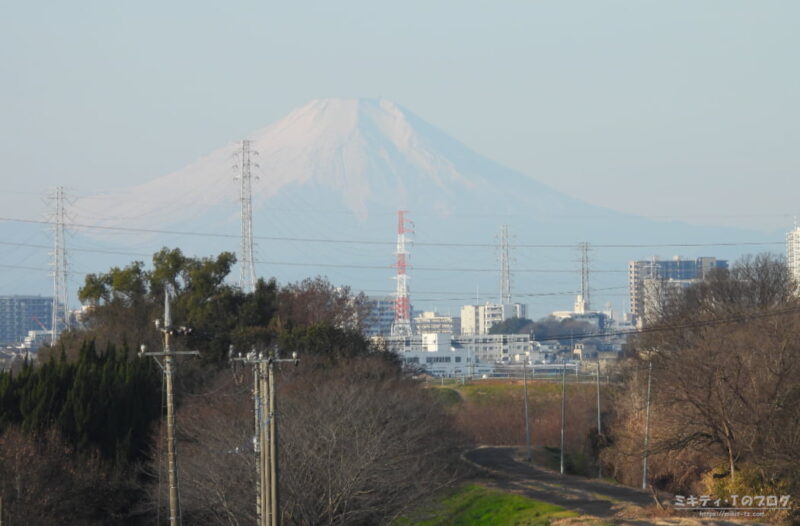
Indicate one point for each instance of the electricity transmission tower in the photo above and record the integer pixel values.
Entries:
(505, 267)
(402, 303)
(168, 368)
(265, 441)
(59, 264)
(244, 165)
(585, 293)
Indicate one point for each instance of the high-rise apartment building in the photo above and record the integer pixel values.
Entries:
(478, 319)
(20, 314)
(380, 315)
(643, 274)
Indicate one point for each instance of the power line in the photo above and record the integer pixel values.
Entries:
(388, 243)
(40, 269)
(323, 265)
(434, 269)
(77, 249)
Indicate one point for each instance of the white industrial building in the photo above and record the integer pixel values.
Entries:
(444, 354)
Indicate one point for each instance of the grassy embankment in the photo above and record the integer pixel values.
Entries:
(475, 504)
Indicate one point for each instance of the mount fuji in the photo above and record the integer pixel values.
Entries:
(331, 177)
(365, 157)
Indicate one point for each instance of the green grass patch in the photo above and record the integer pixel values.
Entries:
(445, 395)
(499, 391)
(476, 504)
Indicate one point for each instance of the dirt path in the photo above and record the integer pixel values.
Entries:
(610, 503)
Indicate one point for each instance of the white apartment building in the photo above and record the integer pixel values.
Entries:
(478, 319)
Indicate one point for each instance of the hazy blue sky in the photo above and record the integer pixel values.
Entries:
(662, 108)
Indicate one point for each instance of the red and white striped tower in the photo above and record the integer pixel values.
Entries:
(402, 305)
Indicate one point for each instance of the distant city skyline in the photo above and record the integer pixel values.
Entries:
(674, 111)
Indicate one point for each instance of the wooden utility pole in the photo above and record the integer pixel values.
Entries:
(257, 444)
(647, 423)
(266, 434)
(264, 441)
(273, 447)
(168, 368)
(563, 406)
(525, 400)
(599, 430)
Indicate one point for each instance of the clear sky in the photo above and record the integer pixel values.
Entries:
(669, 109)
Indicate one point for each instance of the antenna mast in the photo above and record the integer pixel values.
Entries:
(247, 276)
(505, 267)
(402, 305)
(59, 264)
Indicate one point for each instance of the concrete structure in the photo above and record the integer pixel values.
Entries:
(478, 319)
(20, 314)
(429, 322)
(793, 253)
(677, 269)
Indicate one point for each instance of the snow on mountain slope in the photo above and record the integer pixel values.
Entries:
(365, 154)
(339, 169)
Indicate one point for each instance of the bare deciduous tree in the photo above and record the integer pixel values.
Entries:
(726, 381)
(358, 445)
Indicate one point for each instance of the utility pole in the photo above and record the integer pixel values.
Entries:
(273, 447)
(265, 440)
(527, 424)
(599, 429)
(563, 414)
(168, 368)
(647, 424)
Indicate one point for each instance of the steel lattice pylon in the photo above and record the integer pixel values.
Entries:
(59, 264)
(402, 307)
(247, 274)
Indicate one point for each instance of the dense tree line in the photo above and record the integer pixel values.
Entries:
(88, 415)
(67, 426)
(103, 401)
